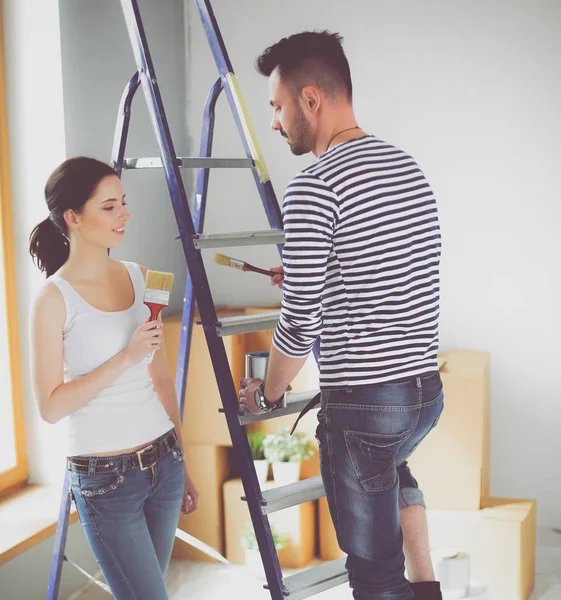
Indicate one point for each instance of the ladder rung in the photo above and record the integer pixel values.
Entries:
(247, 323)
(95, 581)
(294, 404)
(285, 496)
(190, 162)
(242, 238)
(316, 580)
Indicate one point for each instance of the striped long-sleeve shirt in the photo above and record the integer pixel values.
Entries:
(361, 265)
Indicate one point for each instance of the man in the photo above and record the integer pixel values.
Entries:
(361, 270)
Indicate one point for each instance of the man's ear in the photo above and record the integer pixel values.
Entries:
(311, 98)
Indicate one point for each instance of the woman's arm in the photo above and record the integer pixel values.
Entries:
(55, 398)
(165, 389)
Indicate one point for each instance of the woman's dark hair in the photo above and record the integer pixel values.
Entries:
(70, 186)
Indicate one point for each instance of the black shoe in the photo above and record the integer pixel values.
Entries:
(426, 590)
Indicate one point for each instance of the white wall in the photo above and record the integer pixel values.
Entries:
(89, 68)
(97, 62)
(472, 90)
(37, 146)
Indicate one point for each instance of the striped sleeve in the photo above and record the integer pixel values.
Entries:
(310, 214)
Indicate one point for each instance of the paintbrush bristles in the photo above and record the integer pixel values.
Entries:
(158, 280)
(228, 261)
(222, 259)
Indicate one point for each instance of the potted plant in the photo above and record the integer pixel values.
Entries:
(249, 543)
(255, 440)
(286, 453)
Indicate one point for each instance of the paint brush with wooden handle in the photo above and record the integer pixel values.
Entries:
(240, 265)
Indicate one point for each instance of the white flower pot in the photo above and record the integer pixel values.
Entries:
(285, 473)
(254, 563)
(262, 470)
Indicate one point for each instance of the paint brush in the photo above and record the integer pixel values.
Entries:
(240, 265)
(158, 288)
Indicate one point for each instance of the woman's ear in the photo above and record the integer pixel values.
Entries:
(71, 219)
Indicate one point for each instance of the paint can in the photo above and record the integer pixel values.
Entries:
(452, 569)
(256, 365)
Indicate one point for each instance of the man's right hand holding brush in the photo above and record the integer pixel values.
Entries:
(277, 279)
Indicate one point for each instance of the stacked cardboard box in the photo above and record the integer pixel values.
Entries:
(296, 522)
(206, 437)
(208, 451)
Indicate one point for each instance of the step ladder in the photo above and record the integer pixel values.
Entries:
(260, 503)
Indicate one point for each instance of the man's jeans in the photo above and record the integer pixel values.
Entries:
(366, 433)
(130, 520)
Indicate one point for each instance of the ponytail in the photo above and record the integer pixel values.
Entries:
(48, 246)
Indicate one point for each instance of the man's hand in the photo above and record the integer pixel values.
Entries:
(247, 395)
(277, 279)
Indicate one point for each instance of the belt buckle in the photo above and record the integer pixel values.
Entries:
(139, 455)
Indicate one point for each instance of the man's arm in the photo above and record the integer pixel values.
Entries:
(310, 215)
(281, 371)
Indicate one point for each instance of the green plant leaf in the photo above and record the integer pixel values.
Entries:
(283, 447)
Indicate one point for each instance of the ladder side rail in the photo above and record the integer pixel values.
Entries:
(61, 534)
(122, 126)
(241, 117)
(199, 209)
(205, 303)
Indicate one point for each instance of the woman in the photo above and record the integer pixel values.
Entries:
(98, 360)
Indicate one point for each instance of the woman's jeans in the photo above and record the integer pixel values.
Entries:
(366, 433)
(130, 518)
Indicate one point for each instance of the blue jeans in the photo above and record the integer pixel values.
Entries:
(130, 518)
(366, 433)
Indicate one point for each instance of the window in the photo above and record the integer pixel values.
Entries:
(13, 463)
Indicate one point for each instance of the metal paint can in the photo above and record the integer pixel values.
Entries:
(256, 365)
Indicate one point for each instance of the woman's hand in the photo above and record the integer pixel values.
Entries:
(144, 341)
(190, 496)
(277, 279)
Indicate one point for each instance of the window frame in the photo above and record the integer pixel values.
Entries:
(16, 476)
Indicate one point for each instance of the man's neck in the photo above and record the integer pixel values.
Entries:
(337, 131)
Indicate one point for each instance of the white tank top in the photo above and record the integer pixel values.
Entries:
(128, 413)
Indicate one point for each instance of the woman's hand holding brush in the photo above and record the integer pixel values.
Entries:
(146, 340)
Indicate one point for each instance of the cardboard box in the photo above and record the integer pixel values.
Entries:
(452, 463)
(209, 467)
(501, 542)
(500, 539)
(328, 544)
(298, 522)
(202, 421)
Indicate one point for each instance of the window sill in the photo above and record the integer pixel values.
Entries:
(27, 517)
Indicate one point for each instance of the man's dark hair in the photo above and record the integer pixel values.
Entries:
(310, 58)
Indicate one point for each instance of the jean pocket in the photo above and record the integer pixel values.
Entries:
(373, 458)
(91, 486)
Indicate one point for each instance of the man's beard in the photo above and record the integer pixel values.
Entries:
(301, 139)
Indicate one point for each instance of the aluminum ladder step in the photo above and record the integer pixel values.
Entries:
(242, 238)
(286, 496)
(318, 579)
(195, 162)
(247, 323)
(295, 403)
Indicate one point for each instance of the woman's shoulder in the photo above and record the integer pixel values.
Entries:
(129, 264)
(49, 300)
